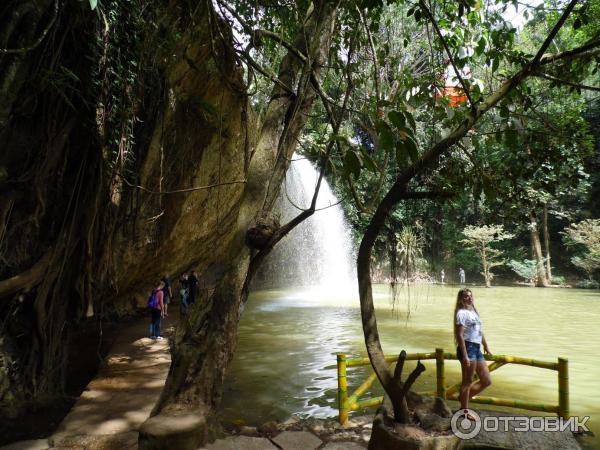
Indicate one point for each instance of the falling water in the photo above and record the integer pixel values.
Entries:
(318, 252)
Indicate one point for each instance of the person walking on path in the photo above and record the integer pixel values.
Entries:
(461, 275)
(442, 275)
(469, 337)
(193, 287)
(156, 309)
(167, 294)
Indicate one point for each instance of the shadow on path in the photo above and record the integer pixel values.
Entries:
(120, 398)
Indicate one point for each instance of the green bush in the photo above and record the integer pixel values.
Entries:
(588, 284)
(525, 269)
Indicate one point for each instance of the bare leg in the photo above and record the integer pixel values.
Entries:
(484, 378)
(467, 379)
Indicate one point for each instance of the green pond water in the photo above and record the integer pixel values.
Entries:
(285, 363)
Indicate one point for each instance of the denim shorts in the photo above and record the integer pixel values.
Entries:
(473, 351)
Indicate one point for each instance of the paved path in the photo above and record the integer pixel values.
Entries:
(125, 390)
(120, 398)
(112, 407)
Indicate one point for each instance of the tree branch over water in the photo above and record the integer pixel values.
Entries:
(430, 159)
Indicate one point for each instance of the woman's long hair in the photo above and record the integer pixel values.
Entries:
(460, 305)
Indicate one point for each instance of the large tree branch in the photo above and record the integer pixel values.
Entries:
(566, 82)
(584, 52)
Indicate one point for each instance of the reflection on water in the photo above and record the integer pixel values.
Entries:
(285, 361)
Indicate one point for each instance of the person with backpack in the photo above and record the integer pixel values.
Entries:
(167, 294)
(156, 305)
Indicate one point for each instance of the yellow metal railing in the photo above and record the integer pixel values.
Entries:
(347, 403)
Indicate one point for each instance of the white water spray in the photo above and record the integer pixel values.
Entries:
(318, 252)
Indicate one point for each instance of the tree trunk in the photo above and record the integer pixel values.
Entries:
(546, 235)
(541, 280)
(486, 268)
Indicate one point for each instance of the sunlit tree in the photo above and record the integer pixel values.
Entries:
(586, 236)
(481, 239)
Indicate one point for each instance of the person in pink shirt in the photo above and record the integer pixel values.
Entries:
(157, 309)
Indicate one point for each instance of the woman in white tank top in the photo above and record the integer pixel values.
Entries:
(469, 338)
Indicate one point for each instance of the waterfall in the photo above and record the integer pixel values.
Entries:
(318, 252)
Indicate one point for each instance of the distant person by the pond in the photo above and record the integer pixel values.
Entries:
(193, 287)
(167, 294)
(156, 305)
(442, 276)
(469, 337)
(461, 275)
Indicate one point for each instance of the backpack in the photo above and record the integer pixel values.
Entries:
(153, 301)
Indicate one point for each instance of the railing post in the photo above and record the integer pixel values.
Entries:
(343, 406)
(439, 371)
(563, 388)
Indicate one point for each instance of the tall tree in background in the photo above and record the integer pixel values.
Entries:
(481, 239)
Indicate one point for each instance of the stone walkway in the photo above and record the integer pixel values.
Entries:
(120, 398)
(112, 407)
(287, 440)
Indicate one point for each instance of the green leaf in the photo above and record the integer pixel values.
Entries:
(368, 162)
(408, 147)
(386, 137)
(352, 164)
(495, 64)
(480, 46)
(411, 120)
(397, 119)
(93, 4)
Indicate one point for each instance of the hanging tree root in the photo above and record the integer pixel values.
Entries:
(27, 279)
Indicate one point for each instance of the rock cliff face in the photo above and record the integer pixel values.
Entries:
(129, 150)
(87, 224)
